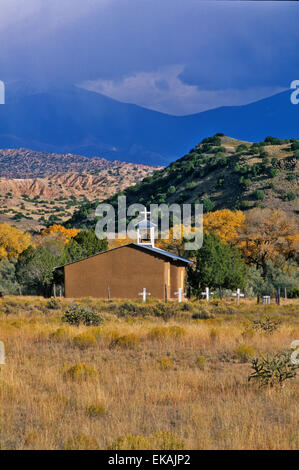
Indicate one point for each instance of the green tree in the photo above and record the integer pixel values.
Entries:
(72, 252)
(89, 243)
(8, 282)
(34, 270)
(217, 265)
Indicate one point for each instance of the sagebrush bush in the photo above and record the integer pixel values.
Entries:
(186, 307)
(158, 332)
(53, 304)
(165, 363)
(125, 341)
(81, 442)
(130, 442)
(201, 362)
(132, 309)
(244, 353)
(78, 314)
(165, 440)
(165, 311)
(248, 333)
(60, 334)
(202, 314)
(176, 331)
(95, 411)
(161, 440)
(84, 340)
(80, 373)
(162, 332)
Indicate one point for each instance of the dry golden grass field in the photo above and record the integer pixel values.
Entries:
(140, 381)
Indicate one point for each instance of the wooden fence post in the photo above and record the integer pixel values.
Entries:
(278, 296)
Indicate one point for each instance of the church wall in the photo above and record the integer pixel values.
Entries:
(126, 270)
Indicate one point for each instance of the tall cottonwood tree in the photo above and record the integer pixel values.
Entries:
(266, 235)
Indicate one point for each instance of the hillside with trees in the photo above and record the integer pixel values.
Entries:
(220, 172)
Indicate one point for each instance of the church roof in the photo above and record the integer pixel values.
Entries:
(145, 224)
(162, 253)
(149, 248)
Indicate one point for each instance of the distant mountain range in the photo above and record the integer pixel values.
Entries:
(73, 120)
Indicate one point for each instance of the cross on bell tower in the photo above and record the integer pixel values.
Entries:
(146, 230)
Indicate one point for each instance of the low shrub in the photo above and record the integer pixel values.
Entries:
(162, 332)
(165, 311)
(202, 314)
(81, 442)
(165, 440)
(53, 304)
(201, 362)
(165, 363)
(248, 333)
(78, 314)
(243, 353)
(134, 309)
(176, 331)
(95, 411)
(186, 307)
(161, 440)
(126, 341)
(158, 332)
(84, 340)
(60, 334)
(80, 373)
(130, 442)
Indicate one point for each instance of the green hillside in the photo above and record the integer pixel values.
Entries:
(221, 172)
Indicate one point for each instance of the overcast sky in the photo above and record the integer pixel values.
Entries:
(175, 56)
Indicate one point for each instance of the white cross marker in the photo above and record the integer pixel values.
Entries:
(144, 294)
(145, 213)
(207, 294)
(238, 295)
(180, 294)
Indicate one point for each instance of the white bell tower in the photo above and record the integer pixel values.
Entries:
(146, 231)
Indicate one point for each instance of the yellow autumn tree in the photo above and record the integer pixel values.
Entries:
(267, 234)
(225, 223)
(56, 229)
(12, 241)
(175, 241)
(120, 242)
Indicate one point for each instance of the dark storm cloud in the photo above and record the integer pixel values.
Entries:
(188, 46)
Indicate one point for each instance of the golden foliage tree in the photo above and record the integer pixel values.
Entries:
(175, 242)
(266, 235)
(67, 233)
(225, 223)
(12, 241)
(120, 242)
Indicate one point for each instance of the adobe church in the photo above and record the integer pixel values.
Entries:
(124, 272)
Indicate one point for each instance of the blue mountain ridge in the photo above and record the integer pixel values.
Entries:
(73, 120)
